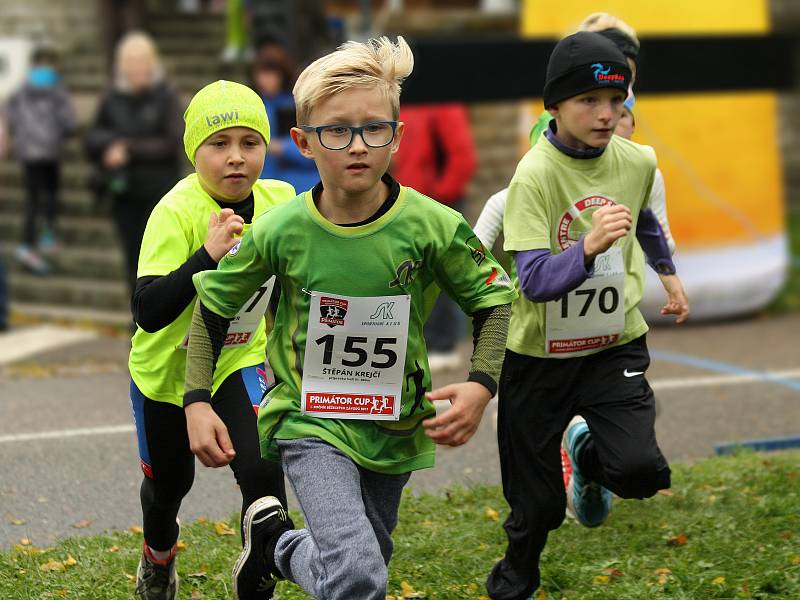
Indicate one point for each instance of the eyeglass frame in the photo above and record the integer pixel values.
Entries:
(353, 131)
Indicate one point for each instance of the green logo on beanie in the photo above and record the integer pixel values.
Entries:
(223, 118)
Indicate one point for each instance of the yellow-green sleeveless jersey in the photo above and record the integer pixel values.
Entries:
(416, 245)
(175, 230)
(551, 199)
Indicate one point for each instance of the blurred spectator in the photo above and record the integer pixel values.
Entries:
(437, 158)
(135, 142)
(40, 116)
(273, 76)
(237, 24)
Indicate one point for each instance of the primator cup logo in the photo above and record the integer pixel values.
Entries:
(332, 311)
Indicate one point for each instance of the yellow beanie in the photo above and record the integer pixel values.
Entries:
(221, 105)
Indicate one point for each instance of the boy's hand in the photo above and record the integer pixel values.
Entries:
(115, 155)
(677, 301)
(457, 424)
(609, 223)
(222, 232)
(208, 436)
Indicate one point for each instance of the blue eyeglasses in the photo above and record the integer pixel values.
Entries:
(338, 137)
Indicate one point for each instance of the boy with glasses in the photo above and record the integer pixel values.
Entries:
(356, 257)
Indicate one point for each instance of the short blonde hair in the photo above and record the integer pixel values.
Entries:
(375, 64)
(601, 21)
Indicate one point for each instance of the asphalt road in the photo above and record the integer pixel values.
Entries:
(69, 464)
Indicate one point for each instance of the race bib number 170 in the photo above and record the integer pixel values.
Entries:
(355, 355)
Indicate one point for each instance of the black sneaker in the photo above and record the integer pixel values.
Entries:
(255, 574)
(155, 581)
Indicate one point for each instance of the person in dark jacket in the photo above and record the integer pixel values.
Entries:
(39, 117)
(136, 142)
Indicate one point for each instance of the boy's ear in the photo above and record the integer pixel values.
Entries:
(398, 135)
(301, 141)
(553, 110)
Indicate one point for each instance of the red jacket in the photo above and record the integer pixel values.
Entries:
(436, 138)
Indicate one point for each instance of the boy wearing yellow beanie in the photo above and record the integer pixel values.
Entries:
(192, 227)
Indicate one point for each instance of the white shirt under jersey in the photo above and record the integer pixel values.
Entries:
(490, 221)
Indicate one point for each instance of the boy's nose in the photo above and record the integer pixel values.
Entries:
(357, 146)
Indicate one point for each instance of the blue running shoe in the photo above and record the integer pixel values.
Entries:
(587, 500)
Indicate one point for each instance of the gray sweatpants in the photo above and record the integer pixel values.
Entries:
(350, 514)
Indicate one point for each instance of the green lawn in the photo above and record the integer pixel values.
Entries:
(729, 528)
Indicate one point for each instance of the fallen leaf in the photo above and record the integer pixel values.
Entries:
(130, 578)
(406, 587)
(114, 549)
(136, 529)
(427, 523)
(600, 579)
(70, 562)
(711, 498)
(201, 520)
(198, 575)
(678, 540)
(492, 514)
(52, 565)
(796, 559)
(718, 580)
(542, 595)
(197, 594)
(82, 524)
(662, 579)
(786, 535)
(25, 542)
(663, 571)
(17, 521)
(667, 493)
(181, 545)
(223, 529)
(616, 573)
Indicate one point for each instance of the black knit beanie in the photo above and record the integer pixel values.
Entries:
(582, 62)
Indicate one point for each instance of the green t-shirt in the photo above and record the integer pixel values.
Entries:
(547, 209)
(416, 244)
(175, 230)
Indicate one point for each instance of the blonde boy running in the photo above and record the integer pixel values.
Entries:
(190, 230)
(352, 416)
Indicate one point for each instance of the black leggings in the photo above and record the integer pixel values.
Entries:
(168, 464)
(538, 397)
(41, 183)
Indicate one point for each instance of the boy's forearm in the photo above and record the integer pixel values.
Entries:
(654, 243)
(544, 276)
(206, 338)
(490, 330)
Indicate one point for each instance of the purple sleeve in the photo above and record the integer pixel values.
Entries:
(544, 276)
(654, 243)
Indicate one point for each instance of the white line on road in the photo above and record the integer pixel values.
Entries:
(711, 380)
(29, 341)
(66, 433)
(663, 384)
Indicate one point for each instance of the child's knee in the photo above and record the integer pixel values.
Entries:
(642, 477)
